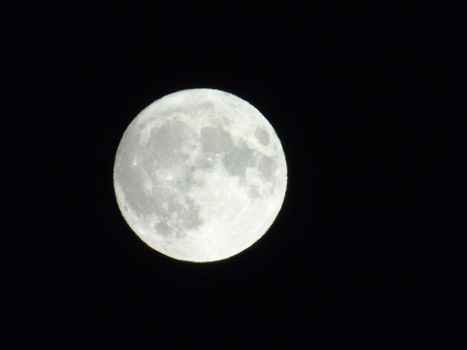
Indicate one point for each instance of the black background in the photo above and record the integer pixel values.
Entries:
(350, 90)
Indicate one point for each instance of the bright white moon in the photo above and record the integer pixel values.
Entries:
(200, 175)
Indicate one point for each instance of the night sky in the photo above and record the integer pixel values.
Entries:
(346, 89)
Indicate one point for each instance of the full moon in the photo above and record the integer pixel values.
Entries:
(200, 175)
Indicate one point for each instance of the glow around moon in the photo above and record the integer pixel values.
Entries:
(200, 175)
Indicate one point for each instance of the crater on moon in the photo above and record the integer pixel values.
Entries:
(200, 175)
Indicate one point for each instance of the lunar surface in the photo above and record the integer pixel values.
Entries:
(200, 175)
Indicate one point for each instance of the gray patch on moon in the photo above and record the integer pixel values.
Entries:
(166, 143)
(262, 136)
(187, 179)
(267, 167)
(238, 159)
(176, 215)
(162, 228)
(215, 140)
(253, 191)
(205, 163)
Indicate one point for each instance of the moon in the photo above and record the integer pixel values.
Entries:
(200, 175)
